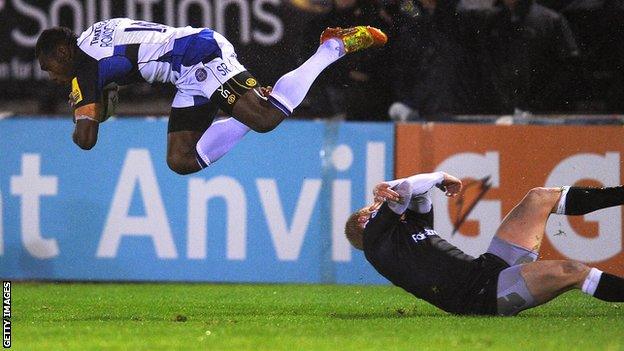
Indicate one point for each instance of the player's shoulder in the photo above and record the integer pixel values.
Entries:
(97, 41)
(107, 25)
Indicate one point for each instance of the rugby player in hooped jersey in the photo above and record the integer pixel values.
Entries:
(203, 66)
(397, 236)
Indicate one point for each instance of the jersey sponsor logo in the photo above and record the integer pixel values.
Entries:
(251, 82)
(76, 93)
(224, 92)
(201, 75)
(227, 95)
(103, 33)
(423, 235)
(223, 69)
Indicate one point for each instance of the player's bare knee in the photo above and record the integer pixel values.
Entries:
(542, 196)
(538, 193)
(266, 120)
(265, 125)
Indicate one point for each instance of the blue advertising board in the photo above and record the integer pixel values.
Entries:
(272, 210)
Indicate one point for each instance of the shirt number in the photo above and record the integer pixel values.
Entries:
(142, 26)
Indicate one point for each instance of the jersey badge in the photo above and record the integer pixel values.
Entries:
(201, 75)
(251, 82)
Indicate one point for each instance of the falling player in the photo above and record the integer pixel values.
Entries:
(398, 239)
(203, 66)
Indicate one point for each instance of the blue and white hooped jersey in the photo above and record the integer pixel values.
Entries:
(124, 51)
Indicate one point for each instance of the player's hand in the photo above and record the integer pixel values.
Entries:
(451, 185)
(71, 99)
(382, 192)
(365, 214)
(266, 91)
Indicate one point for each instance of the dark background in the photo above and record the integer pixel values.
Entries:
(598, 27)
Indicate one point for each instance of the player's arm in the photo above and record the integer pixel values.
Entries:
(92, 104)
(87, 123)
(421, 184)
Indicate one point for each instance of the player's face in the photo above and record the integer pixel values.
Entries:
(58, 66)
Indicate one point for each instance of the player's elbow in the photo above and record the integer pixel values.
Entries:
(86, 134)
(85, 143)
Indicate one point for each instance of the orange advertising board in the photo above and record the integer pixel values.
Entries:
(514, 159)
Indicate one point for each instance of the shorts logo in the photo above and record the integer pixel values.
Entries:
(231, 99)
(251, 82)
(201, 75)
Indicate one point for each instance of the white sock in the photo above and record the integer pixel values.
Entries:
(591, 281)
(562, 200)
(293, 86)
(218, 139)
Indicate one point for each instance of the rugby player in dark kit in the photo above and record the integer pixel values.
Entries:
(398, 239)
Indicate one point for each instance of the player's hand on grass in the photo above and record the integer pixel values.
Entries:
(382, 192)
(451, 185)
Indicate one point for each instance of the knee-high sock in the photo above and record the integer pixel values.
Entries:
(218, 139)
(582, 200)
(291, 88)
(604, 286)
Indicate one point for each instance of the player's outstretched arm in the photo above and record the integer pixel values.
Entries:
(420, 183)
(87, 125)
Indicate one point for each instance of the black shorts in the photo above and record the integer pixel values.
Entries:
(479, 297)
(192, 118)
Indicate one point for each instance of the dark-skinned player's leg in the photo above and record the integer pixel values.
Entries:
(256, 111)
(240, 97)
(181, 154)
(185, 128)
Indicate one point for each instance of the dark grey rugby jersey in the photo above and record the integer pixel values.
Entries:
(408, 252)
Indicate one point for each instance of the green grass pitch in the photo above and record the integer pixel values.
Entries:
(290, 317)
